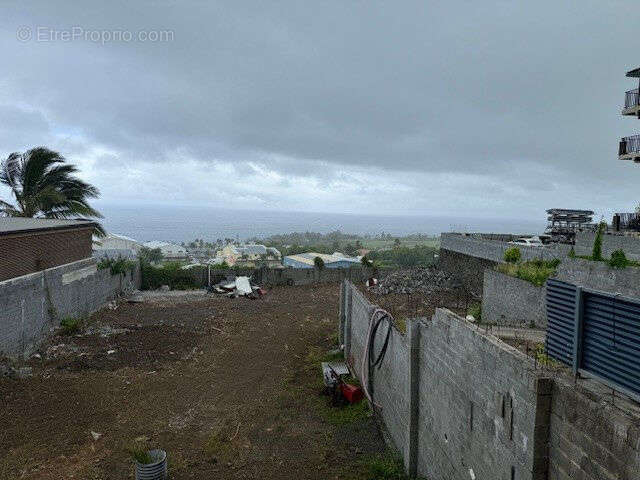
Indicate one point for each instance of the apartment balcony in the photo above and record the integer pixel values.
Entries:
(631, 103)
(630, 148)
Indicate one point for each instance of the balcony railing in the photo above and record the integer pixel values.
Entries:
(631, 98)
(629, 145)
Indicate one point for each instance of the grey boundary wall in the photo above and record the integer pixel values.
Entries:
(281, 276)
(610, 242)
(32, 305)
(471, 409)
(458, 403)
(600, 276)
(511, 301)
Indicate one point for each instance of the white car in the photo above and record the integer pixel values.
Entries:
(527, 242)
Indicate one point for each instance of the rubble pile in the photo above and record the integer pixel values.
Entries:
(415, 280)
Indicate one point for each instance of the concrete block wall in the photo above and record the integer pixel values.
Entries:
(600, 276)
(458, 403)
(511, 301)
(32, 305)
(590, 439)
(610, 242)
(453, 400)
(468, 270)
(483, 410)
(390, 381)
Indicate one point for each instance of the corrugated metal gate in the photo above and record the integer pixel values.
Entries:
(596, 333)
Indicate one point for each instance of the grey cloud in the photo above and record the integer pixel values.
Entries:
(526, 93)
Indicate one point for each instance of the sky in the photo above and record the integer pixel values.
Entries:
(476, 109)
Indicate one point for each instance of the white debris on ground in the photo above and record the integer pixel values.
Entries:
(415, 280)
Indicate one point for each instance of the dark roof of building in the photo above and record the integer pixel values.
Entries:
(10, 225)
(635, 73)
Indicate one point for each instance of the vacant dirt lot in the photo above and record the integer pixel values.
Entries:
(228, 387)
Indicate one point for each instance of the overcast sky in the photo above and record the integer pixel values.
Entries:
(461, 107)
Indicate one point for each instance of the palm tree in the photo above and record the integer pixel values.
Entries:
(44, 186)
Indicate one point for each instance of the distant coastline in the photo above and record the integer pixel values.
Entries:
(183, 224)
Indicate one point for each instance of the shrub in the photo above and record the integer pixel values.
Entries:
(512, 255)
(70, 325)
(168, 274)
(475, 311)
(597, 243)
(618, 259)
(572, 253)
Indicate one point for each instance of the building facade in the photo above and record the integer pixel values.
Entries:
(29, 245)
(629, 148)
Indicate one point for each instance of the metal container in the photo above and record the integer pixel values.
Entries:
(157, 470)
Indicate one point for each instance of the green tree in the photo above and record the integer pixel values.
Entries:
(596, 254)
(150, 255)
(318, 263)
(43, 185)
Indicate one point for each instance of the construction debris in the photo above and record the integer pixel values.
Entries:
(414, 280)
(238, 287)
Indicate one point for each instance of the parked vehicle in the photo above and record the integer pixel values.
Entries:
(527, 242)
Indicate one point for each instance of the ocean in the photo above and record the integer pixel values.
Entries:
(182, 224)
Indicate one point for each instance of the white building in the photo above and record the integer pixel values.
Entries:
(170, 251)
(113, 245)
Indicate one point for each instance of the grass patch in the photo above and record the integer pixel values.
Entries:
(384, 467)
(534, 271)
(219, 445)
(70, 325)
(348, 414)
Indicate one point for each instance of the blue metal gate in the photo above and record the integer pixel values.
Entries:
(596, 333)
(561, 298)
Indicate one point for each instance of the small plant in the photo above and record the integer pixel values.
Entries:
(618, 259)
(475, 311)
(70, 325)
(139, 454)
(543, 359)
(512, 255)
(596, 254)
(572, 253)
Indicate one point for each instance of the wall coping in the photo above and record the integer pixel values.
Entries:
(84, 262)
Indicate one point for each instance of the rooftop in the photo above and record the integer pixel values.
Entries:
(9, 225)
(309, 258)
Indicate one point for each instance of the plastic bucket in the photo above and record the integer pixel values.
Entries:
(157, 470)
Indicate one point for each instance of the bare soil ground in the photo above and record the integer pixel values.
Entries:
(229, 387)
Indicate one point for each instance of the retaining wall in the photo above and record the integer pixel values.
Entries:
(610, 242)
(32, 305)
(511, 301)
(467, 256)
